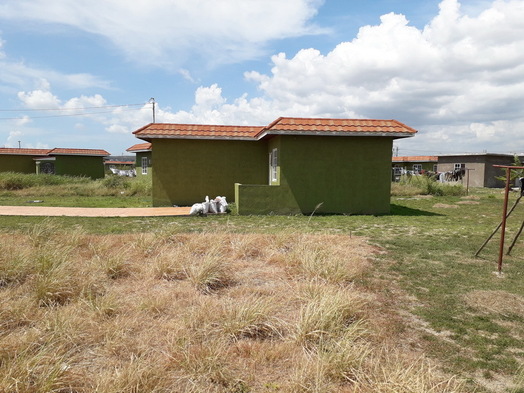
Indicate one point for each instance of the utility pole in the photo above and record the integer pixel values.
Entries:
(152, 101)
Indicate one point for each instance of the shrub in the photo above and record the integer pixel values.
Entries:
(20, 181)
(423, 185)
(114, 181)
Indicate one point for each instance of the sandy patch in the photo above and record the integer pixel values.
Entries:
(444, 206)
(497, 302)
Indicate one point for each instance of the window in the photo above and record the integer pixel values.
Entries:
(458, 167)
(417, 168)
(435, 168)
(273, 161)
(144, 165)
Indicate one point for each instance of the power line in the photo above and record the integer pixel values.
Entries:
(69, 115)
(68, 109)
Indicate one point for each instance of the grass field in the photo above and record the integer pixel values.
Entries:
(236, 304)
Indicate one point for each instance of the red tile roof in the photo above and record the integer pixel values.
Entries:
(415, 159)
(114, 162)
(23, 151)
(319, 126)
(203, 131)
(77, 152)
(281, 126)
(140, 147)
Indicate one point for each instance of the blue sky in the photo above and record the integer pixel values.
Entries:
(81, 74)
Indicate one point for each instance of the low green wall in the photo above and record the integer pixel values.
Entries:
(253, 199)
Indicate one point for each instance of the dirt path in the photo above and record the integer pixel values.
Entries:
(93, 211)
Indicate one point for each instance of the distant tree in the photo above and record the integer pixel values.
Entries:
(514, 173)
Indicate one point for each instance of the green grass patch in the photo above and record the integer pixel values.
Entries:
(52, 190)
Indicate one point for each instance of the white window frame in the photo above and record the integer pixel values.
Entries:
(458, 167)
(417, 168)
(145, 163)
(273, 162)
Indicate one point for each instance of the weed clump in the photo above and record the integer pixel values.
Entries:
(410, 185)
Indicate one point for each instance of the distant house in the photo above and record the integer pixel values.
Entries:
(143, 158)
(473, 169)
(414, 164)
(59, 161)
(477, 168)
(19, 160)
(119, 162)
(291, 166)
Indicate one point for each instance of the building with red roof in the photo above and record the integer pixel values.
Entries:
(291, 166)
(59, 161)
(143, 158)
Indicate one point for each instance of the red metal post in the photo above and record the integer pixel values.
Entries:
(503, 228)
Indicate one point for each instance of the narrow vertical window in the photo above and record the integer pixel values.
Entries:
(144, 165)
(274, 164)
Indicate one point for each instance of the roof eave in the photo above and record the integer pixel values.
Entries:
(223, 138)
(394, 135)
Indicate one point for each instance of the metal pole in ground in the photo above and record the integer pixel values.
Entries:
(503, 228)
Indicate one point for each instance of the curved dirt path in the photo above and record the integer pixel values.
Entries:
(93, 211)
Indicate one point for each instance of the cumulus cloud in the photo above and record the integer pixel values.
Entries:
(39, 99)
(166, 31)
(459, 79)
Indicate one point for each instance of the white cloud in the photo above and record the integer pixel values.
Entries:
(39, 99)
(165, 32)
(460, 79)
(16, 75)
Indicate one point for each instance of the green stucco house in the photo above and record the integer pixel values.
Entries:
(19, 160)
(143, 158)
(58, 161)
(291, 166)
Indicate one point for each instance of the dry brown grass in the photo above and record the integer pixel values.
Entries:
(209, 312)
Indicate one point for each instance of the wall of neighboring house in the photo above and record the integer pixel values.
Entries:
(17, 163)
(186, 170)
(140, 168)
(348, 175)
(479, 169)
(92, 167)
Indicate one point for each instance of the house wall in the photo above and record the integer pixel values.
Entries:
(186, 170)
(481, 171)
(92, 167)
(138, 163)
(349, 175)
(17, 163)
